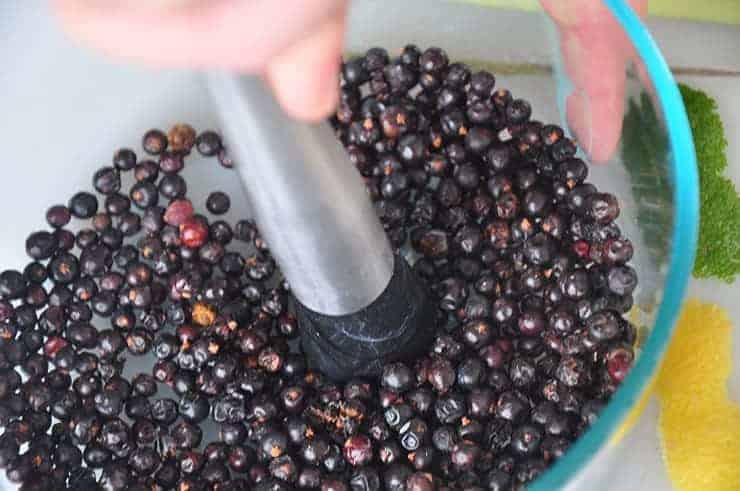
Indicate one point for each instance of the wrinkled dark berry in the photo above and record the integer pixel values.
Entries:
(107, 180)
(154, 142)
(208, 143)
(58, 216)
(358, 450)
(41, 245)
(218, 203)
(397, 377)
(622, 280)
(124, 159)
(83, 205)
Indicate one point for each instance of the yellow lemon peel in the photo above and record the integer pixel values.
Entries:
(699, 424)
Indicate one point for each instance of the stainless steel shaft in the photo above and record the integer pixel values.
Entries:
(309, 202)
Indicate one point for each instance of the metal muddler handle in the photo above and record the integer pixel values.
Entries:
(358, 305)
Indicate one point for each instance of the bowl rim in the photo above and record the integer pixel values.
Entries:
(682, 159)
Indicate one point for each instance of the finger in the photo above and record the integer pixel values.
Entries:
(595, 108)
(231, 34)
(304, 77)
(595, 53)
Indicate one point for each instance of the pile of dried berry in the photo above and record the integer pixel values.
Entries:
(523, 256)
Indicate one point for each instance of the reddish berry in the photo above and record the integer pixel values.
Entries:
(193, 233)
(178, 212)
(358, 450)
(618, 364)
(53, 345)
(581, 248)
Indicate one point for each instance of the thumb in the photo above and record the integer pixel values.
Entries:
(304, 77)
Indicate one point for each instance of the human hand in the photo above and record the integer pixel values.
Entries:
(300, 53)
(596, 53)
(296, 45)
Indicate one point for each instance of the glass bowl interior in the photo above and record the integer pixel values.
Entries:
(61, 132)
(652, 171)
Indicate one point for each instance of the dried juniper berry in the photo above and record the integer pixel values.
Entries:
(218, 203)
(124, 159)
(83, 205)
(154, 142)
(107, 180)
(171, 162)
(58, 216)
(41, 245)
